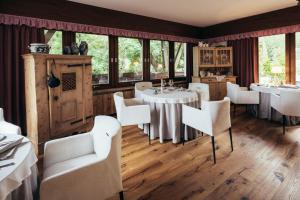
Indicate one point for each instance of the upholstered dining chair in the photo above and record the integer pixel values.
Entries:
(213, 118)
(202, 90)
(287, 103)
(141, 86)
(241, 95)
(6, 127)
(85, 166)
(132, 111)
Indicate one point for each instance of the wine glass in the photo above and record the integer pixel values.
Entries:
(171, 83)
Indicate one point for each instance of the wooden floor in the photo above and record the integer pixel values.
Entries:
(264, 164)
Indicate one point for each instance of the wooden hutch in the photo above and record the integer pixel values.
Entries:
(63, 110)
(210, 65)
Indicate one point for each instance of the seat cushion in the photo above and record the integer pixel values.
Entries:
(69, 165)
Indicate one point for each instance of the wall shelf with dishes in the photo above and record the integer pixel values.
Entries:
(213, 65)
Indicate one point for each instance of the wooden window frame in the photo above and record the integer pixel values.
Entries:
(114, 64)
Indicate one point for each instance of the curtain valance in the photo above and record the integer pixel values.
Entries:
(84, 28)
(253, 34)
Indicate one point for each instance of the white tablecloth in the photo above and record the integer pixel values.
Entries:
(166, 113)
(19, 181)
(265, 104)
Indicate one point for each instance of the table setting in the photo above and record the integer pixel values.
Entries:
(18, 170)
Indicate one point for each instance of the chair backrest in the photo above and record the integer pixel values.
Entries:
(143, 85)
(202, 89)
(220, 114)
(232, 91)
(289, 102)
(119, 103)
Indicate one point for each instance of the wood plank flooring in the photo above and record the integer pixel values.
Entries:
(264, 164)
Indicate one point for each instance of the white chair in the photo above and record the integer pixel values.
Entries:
(85, 166)
(213, 118)
(6, 127)
(141, 86)
(202, 90)
(287, 103)
(132, 111)
(241, 95)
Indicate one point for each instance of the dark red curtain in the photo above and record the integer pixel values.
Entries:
(244, 60)
(14, 41)
(68, 37)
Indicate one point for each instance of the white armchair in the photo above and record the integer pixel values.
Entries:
(202, 90)
(132, 111)
(213, 118)
(241, 95)
(287, 103)
(85, 166)
(141, 86)
(6, 127)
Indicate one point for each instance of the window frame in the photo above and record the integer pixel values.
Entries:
(114, 62)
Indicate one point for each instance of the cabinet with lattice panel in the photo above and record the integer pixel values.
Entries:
(63, 110)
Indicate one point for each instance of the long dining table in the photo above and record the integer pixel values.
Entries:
(166, 111)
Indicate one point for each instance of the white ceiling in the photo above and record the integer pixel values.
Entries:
(193, 12)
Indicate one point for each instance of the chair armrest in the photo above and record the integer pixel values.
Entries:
(62, 149)
(198, 119)
(243, 89)
(137, 114)
(133, 101)
(8, 128)
(248, 97)
(275, 102)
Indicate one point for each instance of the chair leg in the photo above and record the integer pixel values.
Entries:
(201, 133)
(230, 134)
(121, 195)
(283, 123)
(149, 133)
(182, 134)
(257, 108)
(234, 110)
(213, 147)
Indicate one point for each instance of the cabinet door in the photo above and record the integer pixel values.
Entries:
(224, 57)
(207, 57)
(213, 91)
(68, 101)
(222, 90)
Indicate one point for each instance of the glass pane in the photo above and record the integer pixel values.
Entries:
(298, 58)
(180, 59)
(159, 59)
(272, 59)
(130, 59)
(54, 40)
(98, 47)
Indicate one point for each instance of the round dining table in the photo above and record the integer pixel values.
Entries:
(265, 111)
(18, 174)
(166, 111)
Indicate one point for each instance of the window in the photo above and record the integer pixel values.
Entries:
(298, 58)
(54, 39)
(272, 59)
(159, 59)
(130, 59)
(180, 59)
(98, 47)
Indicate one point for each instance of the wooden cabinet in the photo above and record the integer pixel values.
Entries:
(59, 111)
(217, 89)
(206, 57)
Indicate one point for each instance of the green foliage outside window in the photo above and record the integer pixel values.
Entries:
(54, 40)
(271, 54)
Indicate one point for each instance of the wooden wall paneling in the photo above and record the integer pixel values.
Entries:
(290, 58)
